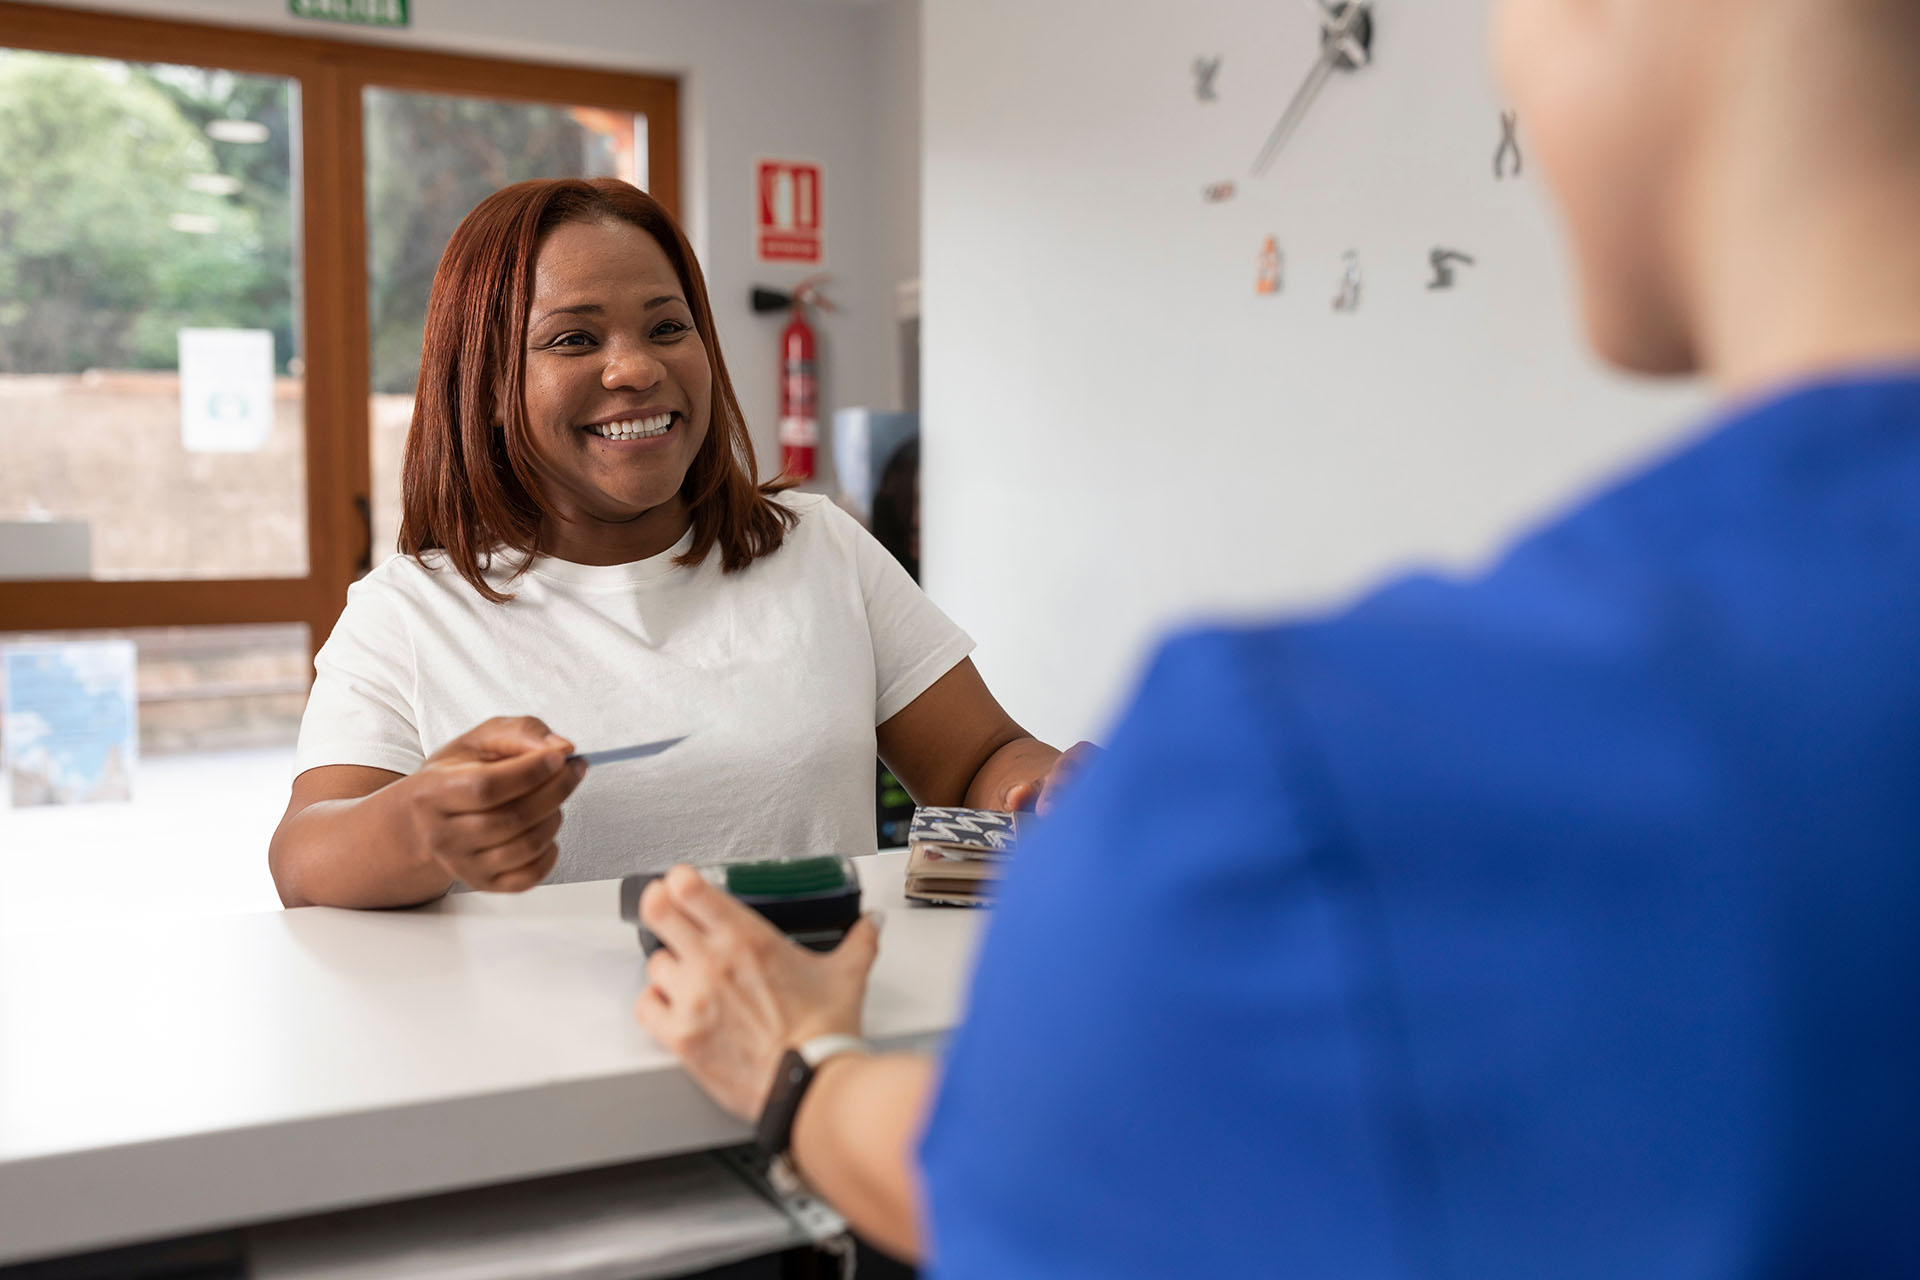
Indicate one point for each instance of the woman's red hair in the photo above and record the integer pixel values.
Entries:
(467, 484)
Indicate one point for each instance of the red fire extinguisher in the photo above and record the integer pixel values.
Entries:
(799, 432)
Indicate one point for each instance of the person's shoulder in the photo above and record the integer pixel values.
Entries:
(821, 525)
(1603, 579)
(403, 575)
(401, 568)
(1214, 656)
(1226, 676)
(1794, 455)
(403, 586)
(814, 509)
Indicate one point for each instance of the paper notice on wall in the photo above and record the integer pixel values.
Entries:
(68, 722)
(226, 390)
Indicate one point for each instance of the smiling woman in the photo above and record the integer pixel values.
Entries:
(613, 422)
(596, 307)
(586, 544)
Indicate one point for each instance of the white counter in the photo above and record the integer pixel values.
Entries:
(157, 1079)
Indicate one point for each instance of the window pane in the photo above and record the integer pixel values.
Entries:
(216, 710)
(150, 375)
(430, 158)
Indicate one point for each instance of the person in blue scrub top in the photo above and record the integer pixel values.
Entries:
(1564, 922)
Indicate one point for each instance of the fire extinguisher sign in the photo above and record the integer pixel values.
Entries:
(792, 223)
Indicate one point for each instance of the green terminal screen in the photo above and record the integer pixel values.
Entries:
(785, 879)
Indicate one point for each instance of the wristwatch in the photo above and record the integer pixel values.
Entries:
(790, 1081)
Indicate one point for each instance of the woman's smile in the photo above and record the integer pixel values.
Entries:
(633, 428)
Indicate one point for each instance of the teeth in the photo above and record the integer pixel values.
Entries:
(637, 429)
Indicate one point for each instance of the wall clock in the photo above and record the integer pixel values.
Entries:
(1344, 31)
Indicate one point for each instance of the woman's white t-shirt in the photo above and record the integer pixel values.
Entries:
(777, 674)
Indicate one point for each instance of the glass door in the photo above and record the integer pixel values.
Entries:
(152, 393)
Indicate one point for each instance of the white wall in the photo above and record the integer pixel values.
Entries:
(897, 171)
(1119, 433)
(802, 78)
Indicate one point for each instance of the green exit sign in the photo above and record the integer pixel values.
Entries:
(367, 13)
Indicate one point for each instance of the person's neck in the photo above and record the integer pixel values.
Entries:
(1806, 259)
(583, 540)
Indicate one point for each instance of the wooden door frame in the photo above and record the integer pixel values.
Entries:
(332, 75)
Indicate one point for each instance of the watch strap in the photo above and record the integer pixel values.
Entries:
(791, 1078)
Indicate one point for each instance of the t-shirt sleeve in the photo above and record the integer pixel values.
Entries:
(362, 707)
(1161, 1051)
(914, 643)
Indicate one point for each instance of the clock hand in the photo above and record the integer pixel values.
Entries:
(1297, 109)
(1345, 38)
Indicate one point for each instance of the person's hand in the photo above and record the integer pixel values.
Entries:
(1040, 793)
(486, 807)
(729, 994)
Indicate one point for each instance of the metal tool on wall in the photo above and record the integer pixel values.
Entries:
(1205, 70)
(1509, 146)
(1348, 299)
(1444, 261)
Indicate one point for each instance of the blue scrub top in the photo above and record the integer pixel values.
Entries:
(1561, 923)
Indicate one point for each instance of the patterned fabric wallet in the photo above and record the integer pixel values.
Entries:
(954, 855)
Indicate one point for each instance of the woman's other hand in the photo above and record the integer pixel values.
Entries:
(729, 994)
(1039, 793)
(486, 807)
